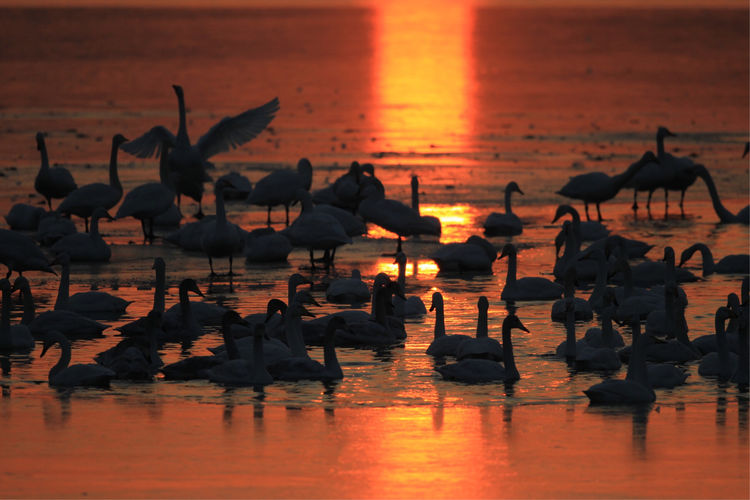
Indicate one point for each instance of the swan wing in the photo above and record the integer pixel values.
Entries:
(150, 143)
(232, 132)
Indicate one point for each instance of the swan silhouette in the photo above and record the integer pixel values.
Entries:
(19, 253)
(481, 346)
(529, 288)
(430, 223)
(725, 216)
(731, 264)
(182, 324)
(583, 310)
(266, 245)
(598, 187)
(135, 358)
(584, 230)
(220, 238)
(24, 217)
(722, 363)
(83, 201)
(187, 161)
(16, 337)
(304, 368)
(86, 247)
(443, 344)
(348, 290)
(475, 255)
(280, 188)
(65, 375)
(51, 182)
(508, 223)
(413, 305)
(52, 227)
(138, 327)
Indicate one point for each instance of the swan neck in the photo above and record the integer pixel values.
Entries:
(160, 290)
(229, 342)
(637, 370)
(402, 276)
(721, 346)
(293, 327)
(221, 214)
(164, 168)
(63, 290)
(439, 322)
(721, 211)
(330, 360)
(28, 306)
(182, 134)
(415, 195)
(707, 257)
(114, 179)
(94, 229)
(508, 193)
(601, 279)
(510, 279)
(185, 308)
(570, 334)
(660, 146)
(5, 317)
(45, 160)
(65, 354)
(482, 326)
(511, 372)
(618, 181)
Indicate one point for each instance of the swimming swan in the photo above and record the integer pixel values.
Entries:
(531, 288)
(508, 223)
(442, 344)
(63, 375)
(731, 264)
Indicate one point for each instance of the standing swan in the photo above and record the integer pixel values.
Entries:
(508, 223)
(84, 200)
(188, 161)
(62, 375)
(442, 344)
(220, 238)
(598, 187)
(51, 182)
(533, 288)
(280, 188)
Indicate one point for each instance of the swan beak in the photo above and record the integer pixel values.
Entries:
(305, 312)
(46, 347)
(314, 302)
(521, 327)
(432, 307)
(197, 290)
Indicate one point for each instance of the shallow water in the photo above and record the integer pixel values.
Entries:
(467, 98)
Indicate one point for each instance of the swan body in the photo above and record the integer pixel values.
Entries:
(584, 230)
(17, 337)
(187, 161)
(665, 375)
(430, 224)
(19, 253)
(236, 186)
(348, 290)
(97, 302)
(476, 255)
(443, 344)
(731, 264)
(65, 375)
(266, 245)
(220, 238)
(86, 247)
(353, 224)
(530, 288)
(51, 182)
(413, 305)
(52, 227)
(24, 217)
(86, 199)
(507, 223)
(190, 236)
(598, 187)
(481, 346)
(280, 188)
(583, 310)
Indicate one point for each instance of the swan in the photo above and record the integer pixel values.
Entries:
(24, 217)
(665, 375)
(731, 264)
(315, 230)
(86, 247)
(348, 290)
(221, 238)
(189, 236)
(95, 302)
(635, 388)
(627, 247)
(135, 358)
(481, 346)
(530, 288)
(477, 370)
(476, 255)
(583, 310)
(304, 368)
(650, 273)
(187, 161)
(85, 199)
(679, 349)
(584, 231)
(19, 253)
(233, 369)
(709, 343)
(280, 188)
(16, 337)
(605, 336)
(344, 192)
(442, 344)
(431, 223)
(353, 224)
(508, 223)
(413, 305)
(725, 216)
(266, 245)
(598, 187)
(51, 182)
(138, 327)
(62, 375)
(147, 201)
(580, 353)
(743, 363)
(182, 324)
(236, 186)
(52, 227)
(573, 257)
(722, 363)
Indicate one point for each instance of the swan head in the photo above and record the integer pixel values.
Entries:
(669, 255)
(159, 264)
(724, 313)
(51, 338)
(733, 302)
(368, 168)
(563, 210)
(22, 284)
(39, 140)
(483, 304)
(297, 279)
(512, 187)
(414, 182)
(177, 90)
(304, 297)
(61, 259)
(274, 306)
(118, 139)
(662, 132)
(508, 249)
(189, 285)
(512, 321)
(230, 318)
(747, 149)
(437, 301)
(153, 319)
(101, 213)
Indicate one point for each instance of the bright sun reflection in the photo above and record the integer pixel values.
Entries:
(422, 77)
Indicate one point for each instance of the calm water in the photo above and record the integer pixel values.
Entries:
(467, 98)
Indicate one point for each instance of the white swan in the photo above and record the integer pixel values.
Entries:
(187, 161)
(19, 253)
(348, 290)
(51, 182)
(722, 363)
(476, 255)
(221, 238)
(304, 368)
(508, 223)
(147, 201)
(86, 247)
(725, 216)
(135, 358)
(478, 370)
(481, 346)
(530, 288)
(598, 187)
(413, 305)
(635, 388)
(16, 337)
(84, 200)
(63, 375)
(730, 264)
(280, 188)
(442, 344)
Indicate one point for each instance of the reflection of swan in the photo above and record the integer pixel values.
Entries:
(476, 255)
(147, 201)
(348, 290)
(304, 368)
(86, 247)
(16, 337)
(530, 288)
(476, 370)
(721, 363)
(19, 253)
(508, 223)
(413, 305)
(280, 188)
(481, 346)
(220, 238)
(635, 388)
(442, 344)
(51, 182)
(598, 187)
(135, 358)
(725, 216)
(731, 264)
(62, 375)
(188, 161)
(84, 200)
